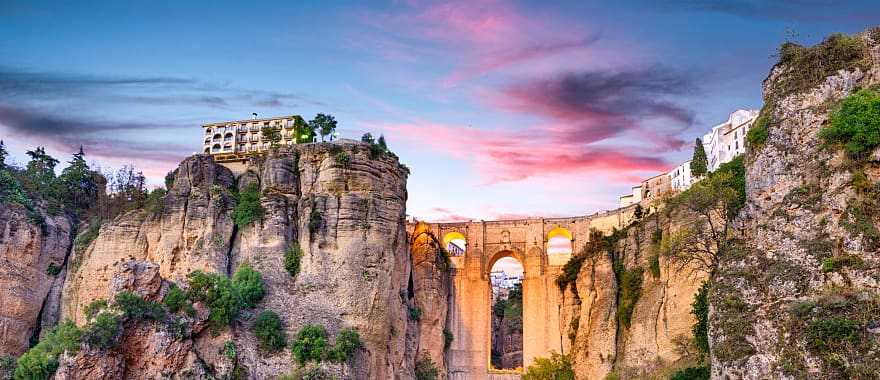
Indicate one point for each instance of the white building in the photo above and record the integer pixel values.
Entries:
(680, 177)
(727, 140)
(631, 199)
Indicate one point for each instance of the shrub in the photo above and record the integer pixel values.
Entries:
(654, 261)
(103, 332)
(175, 299)
(83, 240)
(229, 350)
(810, 66)
(630, 291)
(218, 293)
(53, 269)
(292, 258)
(41, 361)
(267, 328)
(249, 284)
(700, 310)
(343, 159)
(310, 344)
(557, 367)
(758, 133)
(307, 373)
(178, 327)
(426, 369)
(248, 208)
(828, 333)
(315, 220)
(94, 308)
(447, 339)
(347, 342)
(856, 123)
(135, 307)
(692, 373)
(836, 263)
(415, 313)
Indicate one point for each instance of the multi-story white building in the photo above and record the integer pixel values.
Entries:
(235, 140)
(727, 140)
(630, 199)
(680, 177)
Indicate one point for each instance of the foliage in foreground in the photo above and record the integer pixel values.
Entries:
(426, 369)
(41, 361)
(556, 367)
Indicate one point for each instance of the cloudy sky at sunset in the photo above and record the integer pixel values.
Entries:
(500, 109)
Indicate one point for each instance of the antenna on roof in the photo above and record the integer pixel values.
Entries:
(255, 115)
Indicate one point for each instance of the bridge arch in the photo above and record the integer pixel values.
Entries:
(455, 243)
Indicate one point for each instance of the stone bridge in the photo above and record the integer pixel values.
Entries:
(475, 247)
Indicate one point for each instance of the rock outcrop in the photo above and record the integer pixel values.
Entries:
(347, 215)
(33, 247)
(599, 340)
(812, 268)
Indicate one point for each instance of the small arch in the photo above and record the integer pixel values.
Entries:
(217, 136)
(207, 150)
(455, 243)
(559, 241)
(215, 148)
(228, 135)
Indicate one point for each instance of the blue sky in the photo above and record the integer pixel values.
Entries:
(500, 109)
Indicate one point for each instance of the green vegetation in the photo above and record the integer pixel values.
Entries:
(572, 267)
(229, 350)
(414, 312)
(557, 367)
(856, 124)
(7, 363)
(700, 310)
(324, 124)
(226, 297)
(377, 148)
(308, 372)
(692, 373)
(135, 307)
(315, 221)
(807, 67)
(447, 339)
(836, 263)
(654, 264)
(175, 300)
(53, 270)
(310, 344)
(760, 131)
(699, 162)
(41, 361)
(95, 307)
(347, 342)
(272, 135)
(268, 329)
(248, 208)
(426, 369)
(292, 258)
(343, 159)
(103, 332)
(630, 292)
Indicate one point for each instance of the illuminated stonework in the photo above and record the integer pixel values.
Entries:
(237, 140)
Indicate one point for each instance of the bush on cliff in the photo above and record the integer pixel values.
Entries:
(103, 332)
(292, 258)
(41, 361)
(426, 369)
(347, 342)
(135, 307)
(310, 344)
(809, 66)
(223, 296)
(248, 208)
(692, 373)
(249, 285)
(557, 367)
(268, 329)
(856, 124)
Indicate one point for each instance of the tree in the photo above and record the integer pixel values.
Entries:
(382, 144)
(325, 124)
(639, 212)
(699, 163)
(368, 138)
(41, 167)
(3, 155)
(304, 132)
(272, 135)
(78, 182)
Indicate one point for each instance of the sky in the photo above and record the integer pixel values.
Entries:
(500, 109)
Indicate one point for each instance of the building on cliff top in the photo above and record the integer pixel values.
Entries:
(231, 141)
(724, 142)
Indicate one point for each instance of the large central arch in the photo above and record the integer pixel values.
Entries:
(542, 246)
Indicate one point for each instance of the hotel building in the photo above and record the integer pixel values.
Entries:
(236, 140)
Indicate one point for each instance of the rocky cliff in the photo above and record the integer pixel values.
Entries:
(802, 301)
(342, 204)
(33, 247)
(628, 306)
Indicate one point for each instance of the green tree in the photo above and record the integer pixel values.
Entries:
(368, 138)
(310, 344)
(382, 144)
(699, 163)
(78, 182)
(325, 124)
(292, 258)
(272, 135)
(40, 172)
(700, 310)
(304, 131)
(557, 367)
(269, 331)
(856, 123)
(249, 285)
(3, 154)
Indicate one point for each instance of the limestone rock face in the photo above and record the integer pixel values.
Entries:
(26, 252)
(348, 216)
(799, 218)
(429, 292)
(600, 343)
